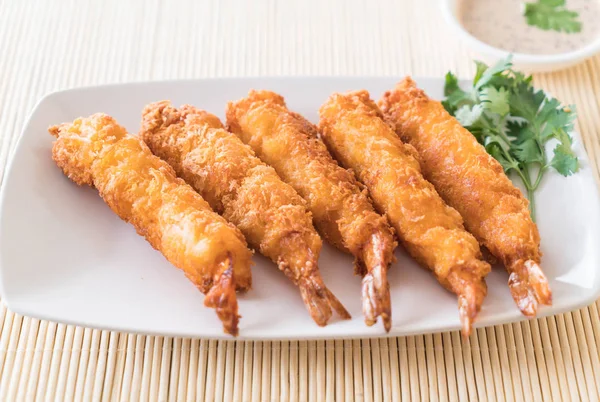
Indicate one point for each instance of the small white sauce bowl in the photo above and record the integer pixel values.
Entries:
(525, 61)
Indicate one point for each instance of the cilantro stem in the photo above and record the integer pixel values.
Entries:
(524, 179)
(538, 180)
(530, 193)
(523, 172)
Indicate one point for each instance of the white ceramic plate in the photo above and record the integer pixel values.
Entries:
(64, 256)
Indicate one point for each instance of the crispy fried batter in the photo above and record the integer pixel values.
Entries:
(144, 191)
(342, 211)
(432, 232)
(246, 192)
(473, 182)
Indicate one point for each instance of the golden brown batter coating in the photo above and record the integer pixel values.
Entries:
(341, 209)
(432, 232)
(246, 192)
(144, 191)
(474, 183)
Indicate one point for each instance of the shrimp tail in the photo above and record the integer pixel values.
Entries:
(470, 287)
(528, 286)
(376, 300)
(299, 264)
(337, 306)
(222, 297)
(468, 308)
(319, 300)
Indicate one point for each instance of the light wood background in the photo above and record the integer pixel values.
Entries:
(50, 45)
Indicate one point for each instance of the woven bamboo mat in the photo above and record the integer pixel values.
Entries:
(51, 45)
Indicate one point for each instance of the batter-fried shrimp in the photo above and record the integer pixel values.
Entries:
(246, 192)
(432, 232)
(144, 191)
(474, 183)
(342, 211)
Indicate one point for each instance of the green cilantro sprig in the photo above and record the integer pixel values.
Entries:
(552, 14)
(514, 122)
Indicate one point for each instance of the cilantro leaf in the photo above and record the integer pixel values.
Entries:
(495, 100)
(469, 115)
(549, 106)
(558, 119)
(564, 161)
(552, 15)
(529, 151)
(450, 84)
(520, 131)
(525, 101)
(456, 97)
(510, 79)
(481, 67)
(519, 77)
(497, 69)
(515, 121)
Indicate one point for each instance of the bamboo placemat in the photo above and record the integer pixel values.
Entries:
(51, 45)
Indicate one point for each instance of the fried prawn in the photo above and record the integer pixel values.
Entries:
(144, 191)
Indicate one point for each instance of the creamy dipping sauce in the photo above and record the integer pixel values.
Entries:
(501, 23)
